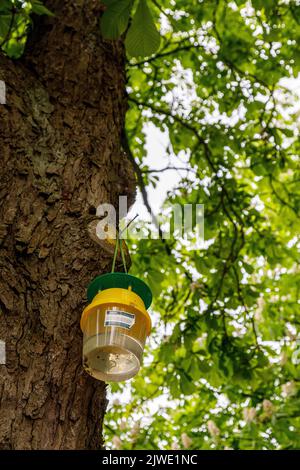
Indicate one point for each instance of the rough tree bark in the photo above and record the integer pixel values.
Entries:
(60, 158)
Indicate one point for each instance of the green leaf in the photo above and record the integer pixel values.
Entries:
(197, 368)
(248, 268)
(40, 9)
(187, 385)
(287, 132)
(115, 18)
(142, 38)
(225, 365)
(4, 24)
(266, 4)
(5, 6)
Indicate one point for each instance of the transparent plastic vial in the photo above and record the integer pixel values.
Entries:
(112, 360)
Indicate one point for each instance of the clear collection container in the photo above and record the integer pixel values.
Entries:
(115, 327)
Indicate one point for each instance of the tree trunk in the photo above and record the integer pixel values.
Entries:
(60, 149)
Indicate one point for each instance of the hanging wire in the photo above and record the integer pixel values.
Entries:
(119, 244)
(122, 254)
(115, 253)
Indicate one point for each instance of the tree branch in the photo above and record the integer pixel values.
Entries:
(165, 54)
(167, 168)
(241, 298)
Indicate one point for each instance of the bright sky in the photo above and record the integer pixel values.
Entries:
(157, 158)
(157, 143)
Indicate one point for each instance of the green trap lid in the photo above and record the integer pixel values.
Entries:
(122, 281)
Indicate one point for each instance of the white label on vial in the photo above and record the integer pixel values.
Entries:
(119, 318)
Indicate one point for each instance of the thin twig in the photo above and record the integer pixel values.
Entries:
(165, 54)
(285, 203)
(115, 253)
(241, 298)
(129, 223)
(167, 168)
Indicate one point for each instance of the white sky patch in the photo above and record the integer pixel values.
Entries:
(290, 108)
(257, 203)
(157, 158)
(183, 96)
